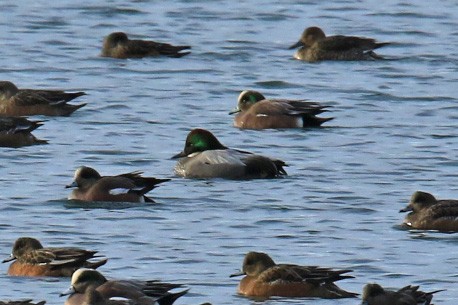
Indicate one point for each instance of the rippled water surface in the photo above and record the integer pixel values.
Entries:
(394, 132)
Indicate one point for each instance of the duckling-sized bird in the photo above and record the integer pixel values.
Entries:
(428, 213)
(26, 102)
(316, 46)
(254, 111)
(264, 278)
(205, 157)
(131, 187)
(118, 45)
(90, 287)
(32, 259)
(17, 132)
(374, 294)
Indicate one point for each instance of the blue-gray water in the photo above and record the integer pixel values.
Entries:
(394, 132)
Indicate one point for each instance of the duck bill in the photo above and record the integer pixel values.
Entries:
(406, 209)
(179, 155)
(69, 291)
(73, 184)
(9, 259)
(240, 273)
(236, 110)
(296, 45)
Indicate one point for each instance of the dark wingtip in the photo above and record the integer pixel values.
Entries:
(169, 298)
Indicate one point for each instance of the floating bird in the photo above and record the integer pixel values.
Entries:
(254, 111)
(130, 187)
(26, 102)
(316, 46)
(118, 45)
(205, 157)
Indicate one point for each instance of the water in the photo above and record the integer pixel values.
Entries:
(394, 132)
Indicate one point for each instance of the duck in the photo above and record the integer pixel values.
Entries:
(17, 132)
(374, 294)
(32, 259)
(254, 111)
(27, 102)
(22, 302)
(428, 213)
(90, 287)
(264, 278)
(130, 187)
(118, 45)
(316, 46)
(205, 157)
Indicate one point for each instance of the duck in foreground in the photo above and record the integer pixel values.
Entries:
(374, 294)
(17, 132)
(32, 259)
(118, 45)
(90, 287)
(264, 278)
(25, 102)
(316, 46)
(205, 157)
(130, 187)
(428, 213)
(254, 111)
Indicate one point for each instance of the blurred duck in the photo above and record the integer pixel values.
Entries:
(118, 45)
(17, 132)
(22, 302)
(26, 102)
(316, 46)
(32, 259)
(374, 294)
(90, 287)
(428, 213)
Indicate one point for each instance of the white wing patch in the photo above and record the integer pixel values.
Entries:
(119, 191)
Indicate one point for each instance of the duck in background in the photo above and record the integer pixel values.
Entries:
(26, 102)
(316, 46)
(374, 294)
(118, 45)
(428, 213)
(254, 111)
(91, 287)
(17, 132)
(32, 259)
(130, 187)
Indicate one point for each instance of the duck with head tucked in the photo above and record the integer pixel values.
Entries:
(316, 46)
(264, 278)
(205, 157)
(428, 213)
(131, 187)
(90, 287)
(374, 294)
(254, 111)
(25, 102)
(17, 132)
(32, 259)
(118, 45)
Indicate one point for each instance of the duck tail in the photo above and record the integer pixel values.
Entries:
(95, 265)
(313, 121)
(169, 298)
